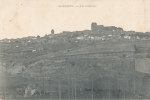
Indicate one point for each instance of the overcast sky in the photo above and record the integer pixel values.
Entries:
(20, 18)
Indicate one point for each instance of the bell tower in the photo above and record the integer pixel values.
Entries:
(94, 26)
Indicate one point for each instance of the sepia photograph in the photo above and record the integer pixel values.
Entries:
(74, 50)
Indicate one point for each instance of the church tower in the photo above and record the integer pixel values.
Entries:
(93, 26)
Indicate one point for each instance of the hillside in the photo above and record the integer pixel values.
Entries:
(97, 63)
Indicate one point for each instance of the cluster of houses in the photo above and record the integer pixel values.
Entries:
(97, 32)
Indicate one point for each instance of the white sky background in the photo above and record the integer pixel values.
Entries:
(20, 18)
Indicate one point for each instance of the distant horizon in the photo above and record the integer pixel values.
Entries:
(72, 31)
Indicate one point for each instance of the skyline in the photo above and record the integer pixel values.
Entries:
(22, 18)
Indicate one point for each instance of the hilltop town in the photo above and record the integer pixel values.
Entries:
(103, 62)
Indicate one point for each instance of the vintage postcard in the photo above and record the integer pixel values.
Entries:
(74, 50)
